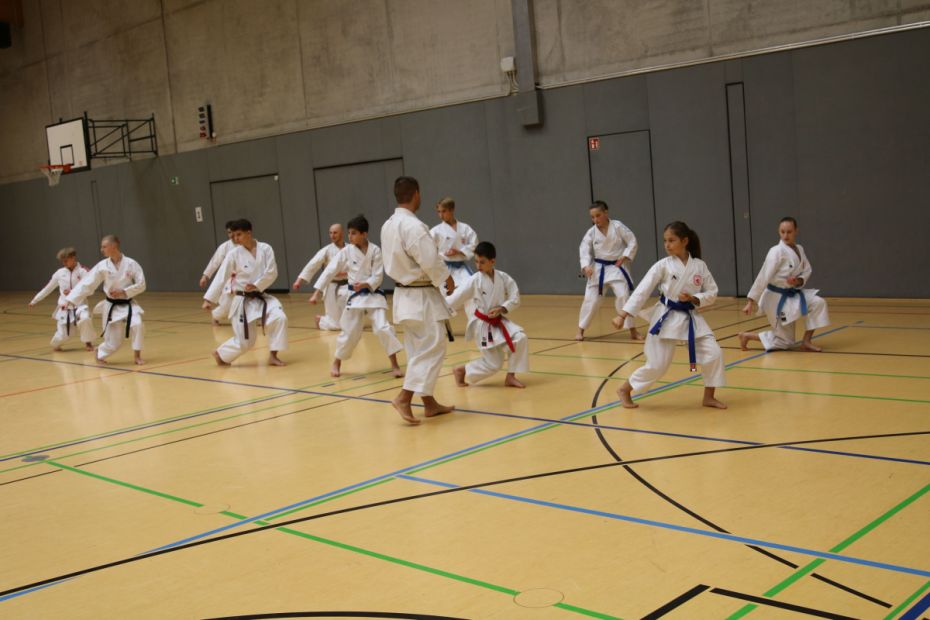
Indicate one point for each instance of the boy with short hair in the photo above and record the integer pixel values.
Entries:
(493, 295)
(363, 263)
(222, 250)
(66, 279)
(455, 241)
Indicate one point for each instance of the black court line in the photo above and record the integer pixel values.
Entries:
(826, 352)
(675, 602)
(639, 478)
(759, 600)
(398, 500)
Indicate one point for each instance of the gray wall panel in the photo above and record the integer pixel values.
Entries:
(688, 116)
(298, 199)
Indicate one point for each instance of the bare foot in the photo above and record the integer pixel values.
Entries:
(216, 322)
(138, 358)
(274, 360)
(511, 381)
(219, 360)
(402, 406)
(579, 336)
(617, 322)
(626, 396)
(336, 369)
(713, 402)
(99, 359)
(88, 346)
(317, 319)
(434, 409)
(459, 373)
(57, 349)
(635, 335)
(744, 341)
(396, 372)
(807, 345)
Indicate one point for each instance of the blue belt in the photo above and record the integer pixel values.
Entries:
(459, 264)
(364, 291)
(785, 294)
(680, 306)
(604, 263)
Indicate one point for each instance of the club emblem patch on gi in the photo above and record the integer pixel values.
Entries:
(698, 280)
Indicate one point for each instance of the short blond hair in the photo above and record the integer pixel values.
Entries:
(64, 253)
(110, 238)
(446, 203)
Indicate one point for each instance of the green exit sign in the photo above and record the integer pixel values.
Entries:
(175, 181)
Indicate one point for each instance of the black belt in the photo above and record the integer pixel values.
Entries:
(340, 282)
(69, 312)
(415, 285)
(244, 318)
(364, 291)
(113, 304)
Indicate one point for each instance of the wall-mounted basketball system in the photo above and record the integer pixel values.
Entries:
(73, 144)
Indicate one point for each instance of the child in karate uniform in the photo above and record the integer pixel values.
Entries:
(686, 284)
(66, 279)
(362, 261)
(779, 293)
(493, 294)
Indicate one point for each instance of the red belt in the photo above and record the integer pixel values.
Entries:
(497, 321)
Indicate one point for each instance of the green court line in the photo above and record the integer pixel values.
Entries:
(904, 604)
(128, 485)
(836, 549)
(339, 545)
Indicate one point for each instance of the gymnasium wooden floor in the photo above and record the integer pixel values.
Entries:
(183, 490)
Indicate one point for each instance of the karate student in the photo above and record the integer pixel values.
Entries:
(123, 280)
(413, 262)
(686, 284)
(334, 298)
(362, 260)
(455, 240)
(605, 249)
(779, 293)
(252, 268)
(65, 279)
(222, 250)
(493, 295)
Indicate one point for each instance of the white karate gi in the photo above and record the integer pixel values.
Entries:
(367, 268)
(411, 258)
(780, 264)
(260, 270)
(619, 242)
(334, 297)
(485, 293)
(222, 308)
(463, 239)
(65, 280)
(127, 276)
(672, 277)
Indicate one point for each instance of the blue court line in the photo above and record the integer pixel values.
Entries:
(890, 327)
(915, 611)
(682, 528)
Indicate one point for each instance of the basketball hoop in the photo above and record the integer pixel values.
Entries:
(53, 172)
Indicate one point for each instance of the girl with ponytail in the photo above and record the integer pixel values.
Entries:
(685, 284)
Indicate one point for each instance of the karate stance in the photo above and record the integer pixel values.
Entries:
(412, 261)
(123, 280)
(222, 309)
(455, 240)
(66, 279)
(779, 293)
(251, 268)
(334, 298)
(605, 249)
(686, 284)
(493, 294)
(365, 267)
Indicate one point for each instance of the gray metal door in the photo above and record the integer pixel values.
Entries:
(257, 200)
(621, 176)
(342, 192)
